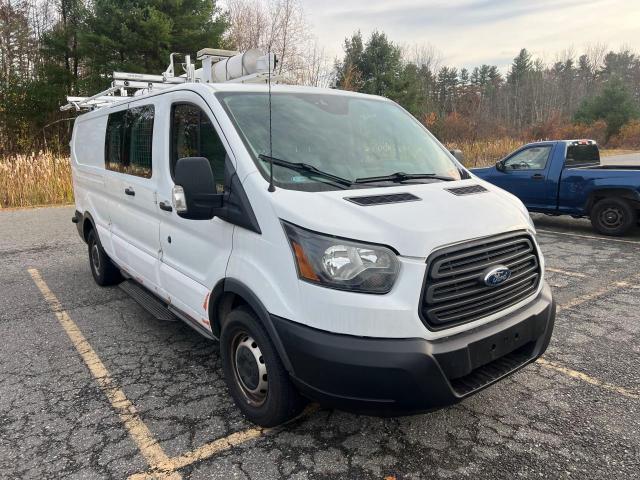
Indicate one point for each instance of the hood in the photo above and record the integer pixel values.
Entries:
(412, 228)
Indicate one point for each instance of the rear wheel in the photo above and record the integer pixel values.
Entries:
(102, 268)
(255, 376)
(613, 216)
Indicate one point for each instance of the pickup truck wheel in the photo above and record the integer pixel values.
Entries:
(104, 272)
(613, 216)
(255, 376)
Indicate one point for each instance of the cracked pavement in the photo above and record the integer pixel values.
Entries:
(56, 422)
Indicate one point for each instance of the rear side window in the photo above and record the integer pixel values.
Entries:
(579, 155)
(114, 141)
(193, 135)
(129, 141)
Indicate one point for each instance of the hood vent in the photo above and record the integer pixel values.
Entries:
(470, 190)
(383, 199)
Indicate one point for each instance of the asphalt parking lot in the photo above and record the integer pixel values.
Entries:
(91, 386)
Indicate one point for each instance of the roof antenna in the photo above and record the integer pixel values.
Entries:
(272, 188)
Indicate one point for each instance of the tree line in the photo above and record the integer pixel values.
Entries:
(53, 48)
(531, 100)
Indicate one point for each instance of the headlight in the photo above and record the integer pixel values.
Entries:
(343, 264)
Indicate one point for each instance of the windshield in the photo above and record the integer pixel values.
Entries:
(345, 136)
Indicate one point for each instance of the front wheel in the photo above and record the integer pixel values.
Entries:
(255, 376)
(613, 216)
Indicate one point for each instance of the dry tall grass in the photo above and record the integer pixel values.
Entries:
(45, 178)
(482, 153)
(36, 179)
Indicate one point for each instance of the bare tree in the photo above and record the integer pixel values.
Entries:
(17, 43)
(281, 27)
(248, 24)
(595, 53)
(423, 55)
(315, 69)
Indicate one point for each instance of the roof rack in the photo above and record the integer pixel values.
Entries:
(218, 66)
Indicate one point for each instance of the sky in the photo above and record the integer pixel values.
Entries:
(471, 32)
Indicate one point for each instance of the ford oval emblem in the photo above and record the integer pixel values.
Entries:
(496, 276)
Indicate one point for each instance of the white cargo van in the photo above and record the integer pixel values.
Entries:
(372, 271)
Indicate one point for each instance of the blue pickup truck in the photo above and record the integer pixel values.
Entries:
(565, 177)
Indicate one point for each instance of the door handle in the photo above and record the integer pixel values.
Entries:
(130, 191)
(537, 176)
(165, 206)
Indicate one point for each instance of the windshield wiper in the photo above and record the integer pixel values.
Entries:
(306, 168)
(401, 177)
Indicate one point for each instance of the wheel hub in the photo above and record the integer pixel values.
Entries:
(612, 217)
(95, 257)
(250, 369)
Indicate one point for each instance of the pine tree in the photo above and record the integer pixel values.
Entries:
(614, 105)
(348, 73)
(139, 36)
(521, 66)
(377, 66)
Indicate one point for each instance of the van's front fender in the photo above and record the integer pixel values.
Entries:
(239, 289)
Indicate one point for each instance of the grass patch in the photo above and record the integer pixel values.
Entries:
(484, 153)
(612, 152)
(36, 179)
(41, 179)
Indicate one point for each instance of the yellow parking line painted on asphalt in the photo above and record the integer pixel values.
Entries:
(627, 283)
(139, 432)
(208, 450)
(161, 465)
(588, 379)
(592, 237)
(565, 272)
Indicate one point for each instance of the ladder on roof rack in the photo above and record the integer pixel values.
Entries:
(97, 100)
(218, 66)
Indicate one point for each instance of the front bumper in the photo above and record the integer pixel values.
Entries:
(383, 376)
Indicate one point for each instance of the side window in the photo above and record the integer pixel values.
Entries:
(129, 141)
(140, 136)
(193, 135)
(534, 158)
(113, 144)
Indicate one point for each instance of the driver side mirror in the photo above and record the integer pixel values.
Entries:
(500, 166)
(194, 194)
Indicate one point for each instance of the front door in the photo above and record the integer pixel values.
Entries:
(525, 174)
(194, 252)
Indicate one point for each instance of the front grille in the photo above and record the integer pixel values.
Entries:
(383, 199)
(454, 290)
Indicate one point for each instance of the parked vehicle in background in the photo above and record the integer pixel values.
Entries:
(342, 255)
(565, 177)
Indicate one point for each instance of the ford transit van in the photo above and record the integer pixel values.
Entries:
(336, 250)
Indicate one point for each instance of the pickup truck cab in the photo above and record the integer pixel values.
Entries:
(565, 177)
(343, 255)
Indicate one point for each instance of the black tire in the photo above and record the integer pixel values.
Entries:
(613, 216)
(253, 371)
(104, 272)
